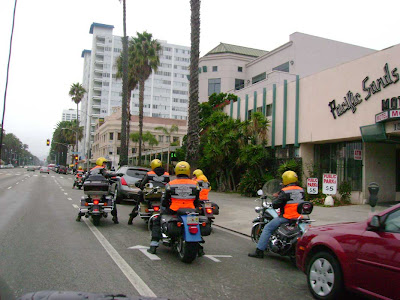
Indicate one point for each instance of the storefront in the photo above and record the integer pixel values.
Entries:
(344, 120)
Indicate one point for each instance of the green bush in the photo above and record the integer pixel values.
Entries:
(251, 182)
(290, 165)
(345, 191)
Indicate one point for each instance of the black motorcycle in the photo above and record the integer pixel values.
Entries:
(283, 240)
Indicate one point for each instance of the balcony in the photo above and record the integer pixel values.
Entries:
(100, 44)
(99, 62)
(98, 79)
(98, 70)
(97, 88)
(96, 97)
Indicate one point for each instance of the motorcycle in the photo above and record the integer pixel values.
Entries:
(284, 239)
(79, 179)
(152, 201)
(209, 209)
(183, 232)
(97, 202)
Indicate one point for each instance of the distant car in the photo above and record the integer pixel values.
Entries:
(124, 187)
(10, 166)
(62, 170)
(31, 168)
(44, 170)
(362, 257)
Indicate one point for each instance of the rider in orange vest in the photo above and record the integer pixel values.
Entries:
(157, 176)
(204, 185)
(182, 192)
(289, 198)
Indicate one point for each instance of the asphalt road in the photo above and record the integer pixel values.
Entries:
(42, 247)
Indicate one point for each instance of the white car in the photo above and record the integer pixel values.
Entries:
(44, 170)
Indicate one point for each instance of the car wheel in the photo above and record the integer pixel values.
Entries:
(324, 276)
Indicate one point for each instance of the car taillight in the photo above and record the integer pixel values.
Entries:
(96, 201)
(123, 181)
(193, 229)
(156, 208)
(209, 210)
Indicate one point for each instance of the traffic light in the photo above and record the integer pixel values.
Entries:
(173, 156)
(76, 157)
(48, 142)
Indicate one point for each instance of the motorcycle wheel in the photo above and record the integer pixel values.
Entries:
(256, 231)
(96, 220)
(79, 187)
(187, 250)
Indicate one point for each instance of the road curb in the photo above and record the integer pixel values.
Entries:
(235, 231)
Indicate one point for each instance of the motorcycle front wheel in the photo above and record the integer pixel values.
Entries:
(256, 231)
(187, 250)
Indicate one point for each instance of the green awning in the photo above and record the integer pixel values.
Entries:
(373, 133)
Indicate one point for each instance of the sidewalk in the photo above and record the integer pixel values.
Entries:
(237, 212)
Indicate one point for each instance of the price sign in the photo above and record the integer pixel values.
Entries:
(329, 184)
(312, 186)
(357, 154)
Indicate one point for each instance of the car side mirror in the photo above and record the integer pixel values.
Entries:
(137, 183)
(375, 223)
(149, 185)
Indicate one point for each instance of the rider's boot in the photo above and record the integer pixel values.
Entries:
(78, 218)
(258, 254)
(201, 252)
(132, 215)
(115, 220)
(152, 249)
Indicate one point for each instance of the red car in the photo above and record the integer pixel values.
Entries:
(361, 257)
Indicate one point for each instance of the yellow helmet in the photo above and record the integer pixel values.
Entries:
(182, 167)
(289, 177)
(197, 172)
(80, 168)
(155, 163)
(100, 161)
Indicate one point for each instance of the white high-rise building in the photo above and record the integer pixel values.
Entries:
(166, 92)
(69, 114)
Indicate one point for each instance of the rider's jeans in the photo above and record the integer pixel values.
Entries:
(268, 230)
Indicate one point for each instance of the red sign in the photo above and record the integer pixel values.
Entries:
(357, 154)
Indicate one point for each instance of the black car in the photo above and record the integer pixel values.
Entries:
(124, 188)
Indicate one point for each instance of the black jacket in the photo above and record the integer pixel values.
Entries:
(148, 178)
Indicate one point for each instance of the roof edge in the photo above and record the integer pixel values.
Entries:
(99, 25)
(85, 51)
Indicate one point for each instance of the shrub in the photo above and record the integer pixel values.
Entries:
(345, 191)
(251, 182)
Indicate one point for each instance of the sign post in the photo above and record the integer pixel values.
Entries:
(329, 184)
(312, 186)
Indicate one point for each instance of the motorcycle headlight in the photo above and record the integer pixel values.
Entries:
(258, 209)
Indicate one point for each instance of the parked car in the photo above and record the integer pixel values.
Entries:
(62, 170)
(362, 257)
(124, 186)
(44, 170)
(31, 168)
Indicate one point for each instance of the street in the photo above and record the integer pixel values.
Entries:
(44, 248)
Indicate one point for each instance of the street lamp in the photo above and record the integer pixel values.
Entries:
(87, 138)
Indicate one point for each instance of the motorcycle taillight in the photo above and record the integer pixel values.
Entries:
(156, 208)
(96, 201)
(193, 229)
(209, 210)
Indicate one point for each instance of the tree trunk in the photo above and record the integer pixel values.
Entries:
(77, 127)
(141, 100)
(128, 123)
(123, 159)
(192, 153)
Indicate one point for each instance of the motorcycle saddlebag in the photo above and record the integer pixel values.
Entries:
(96, 185)
(172, 229)
(205, 230)
(215, 208)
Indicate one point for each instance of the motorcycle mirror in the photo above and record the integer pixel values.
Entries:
(259, 192)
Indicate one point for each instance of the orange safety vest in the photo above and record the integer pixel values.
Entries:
(296, 196)
(183, 193)
(96, 167)
(204, 187)
(154, 177)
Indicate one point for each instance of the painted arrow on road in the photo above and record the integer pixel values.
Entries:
(143, 249)
(213, 257)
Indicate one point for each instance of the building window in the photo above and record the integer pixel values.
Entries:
(283, 67)
(119, 136)
(118, 150)
(168, 139)
(239, 84)
(338, 158)
(214, 86)
(240, 69)
(176, 139)
(133, 150)
(111, 136)
(259, 77)
(161, 138)
(204, 69)
(199, 70)
(215, 69)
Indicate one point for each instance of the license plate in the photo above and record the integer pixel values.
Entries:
(207, 204)
(192, 220)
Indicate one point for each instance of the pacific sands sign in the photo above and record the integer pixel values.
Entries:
(351, 100)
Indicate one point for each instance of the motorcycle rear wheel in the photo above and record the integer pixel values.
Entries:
(96, 220)
(187, 250)
(256, 231)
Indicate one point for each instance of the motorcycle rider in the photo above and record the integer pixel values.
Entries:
(174, 201)
(157, 176)
(101, 169)
(204, 185)
(288, 199)
(79, 174)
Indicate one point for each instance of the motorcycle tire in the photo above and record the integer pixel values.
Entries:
(187, 250)
(256, 232)
(79, 187)
(96, 220)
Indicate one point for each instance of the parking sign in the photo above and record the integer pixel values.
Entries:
(329, 184)
(312, 186)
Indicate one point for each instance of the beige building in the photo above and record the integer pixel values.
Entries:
(107, 136)
(343, 120)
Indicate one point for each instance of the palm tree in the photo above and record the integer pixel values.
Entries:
(123, 160)
(144, 56)
(77, 92)
(193, 140)
(173, 128)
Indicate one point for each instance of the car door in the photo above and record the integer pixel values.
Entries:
(378, 261)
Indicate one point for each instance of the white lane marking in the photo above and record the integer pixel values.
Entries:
(61, 177)
(143, 249)
(134, 278)
(61, 189)
(53, 176)
(65, 193)
(44, 176)
(9, 187)
(8, 174)
(16, 182)
(70, 199)
(213, 257)
(35, 175)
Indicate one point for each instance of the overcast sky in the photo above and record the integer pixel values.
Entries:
(50, 35)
